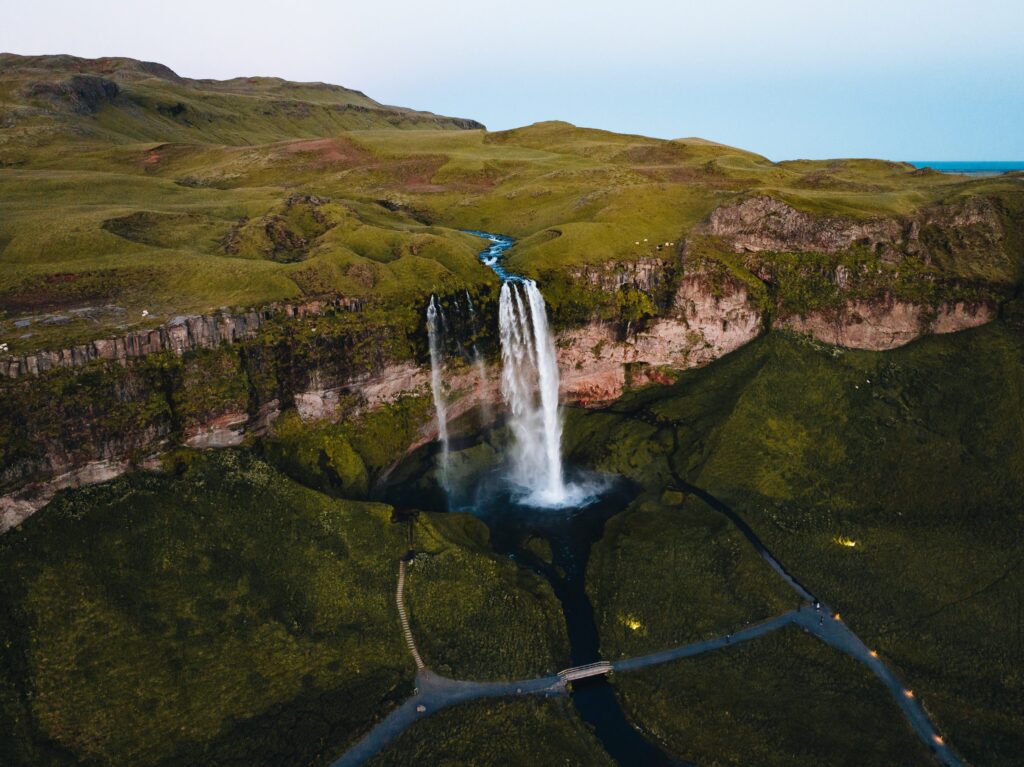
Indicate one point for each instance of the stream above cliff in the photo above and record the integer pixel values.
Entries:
(524, 494)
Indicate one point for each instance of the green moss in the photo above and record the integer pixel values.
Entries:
(318, 455)
(476, 615)
(212, 383)
(383, 435)
(702, 567)
(783, 699)
(187, 619)
(526, 732)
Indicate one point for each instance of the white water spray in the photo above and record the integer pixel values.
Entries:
(435, 328)
(529, 383)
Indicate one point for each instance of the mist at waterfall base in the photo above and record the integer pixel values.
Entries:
(531, 473)
(505, 467)
(529, 386)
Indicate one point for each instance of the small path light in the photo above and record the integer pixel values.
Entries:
(631, 622)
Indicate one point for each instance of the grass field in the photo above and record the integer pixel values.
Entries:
(782, 699)
(194, 618)
(527, 732)
(475, 614)
(179, 196)
(915, 456)
(666, 574)
(224, 613)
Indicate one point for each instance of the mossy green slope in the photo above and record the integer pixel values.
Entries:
(475, 614)
(199, 619)
(530, 733)
(915, 455)
(918, 457)
(666, 574)
(782, 699)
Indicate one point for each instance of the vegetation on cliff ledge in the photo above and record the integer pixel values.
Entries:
(124, 203)
(888, 483)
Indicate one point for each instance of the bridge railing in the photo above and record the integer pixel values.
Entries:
(590, 669)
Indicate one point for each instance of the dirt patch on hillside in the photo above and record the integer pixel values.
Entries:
(325, 152)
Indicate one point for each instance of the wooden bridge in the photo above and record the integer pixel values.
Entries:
(406, 631)
(582, 672)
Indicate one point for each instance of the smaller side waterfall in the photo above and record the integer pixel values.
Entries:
(435, 334)
(529, 384)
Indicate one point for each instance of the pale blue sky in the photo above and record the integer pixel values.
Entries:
(901, 79)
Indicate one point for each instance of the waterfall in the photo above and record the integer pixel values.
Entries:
(529, 384)
(435, 334)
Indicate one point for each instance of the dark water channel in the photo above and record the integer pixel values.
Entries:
(570, 533)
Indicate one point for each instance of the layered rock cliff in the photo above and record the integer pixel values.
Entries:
(876, 283)
(702, 322)
(87, 413)
(181, 334)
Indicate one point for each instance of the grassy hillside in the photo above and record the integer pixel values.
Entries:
(915, 456)
(223, 613)
(125, 188)
(49, 102)
(531, 733)
(783, 699)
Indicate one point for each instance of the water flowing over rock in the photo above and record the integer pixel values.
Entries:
(530, 382)
(435, 333)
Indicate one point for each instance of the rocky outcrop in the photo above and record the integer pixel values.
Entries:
(323, 402)
(885, 324)
(82, 94)
(180, 335)
(647, 274)
(706, 321)
(764, 223)
(16, 507)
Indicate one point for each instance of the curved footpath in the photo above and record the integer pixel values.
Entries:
(434, 692)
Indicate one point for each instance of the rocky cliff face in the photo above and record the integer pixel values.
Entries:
(886, 323)
(210, 381)
(178, 336)
(765, 223)
(704, 321)
(875, 283)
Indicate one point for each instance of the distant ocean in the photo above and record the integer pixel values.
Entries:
(986, 168)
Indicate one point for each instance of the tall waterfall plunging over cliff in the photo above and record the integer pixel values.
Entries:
(529, 383)
(532, 471)
(435, 331)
